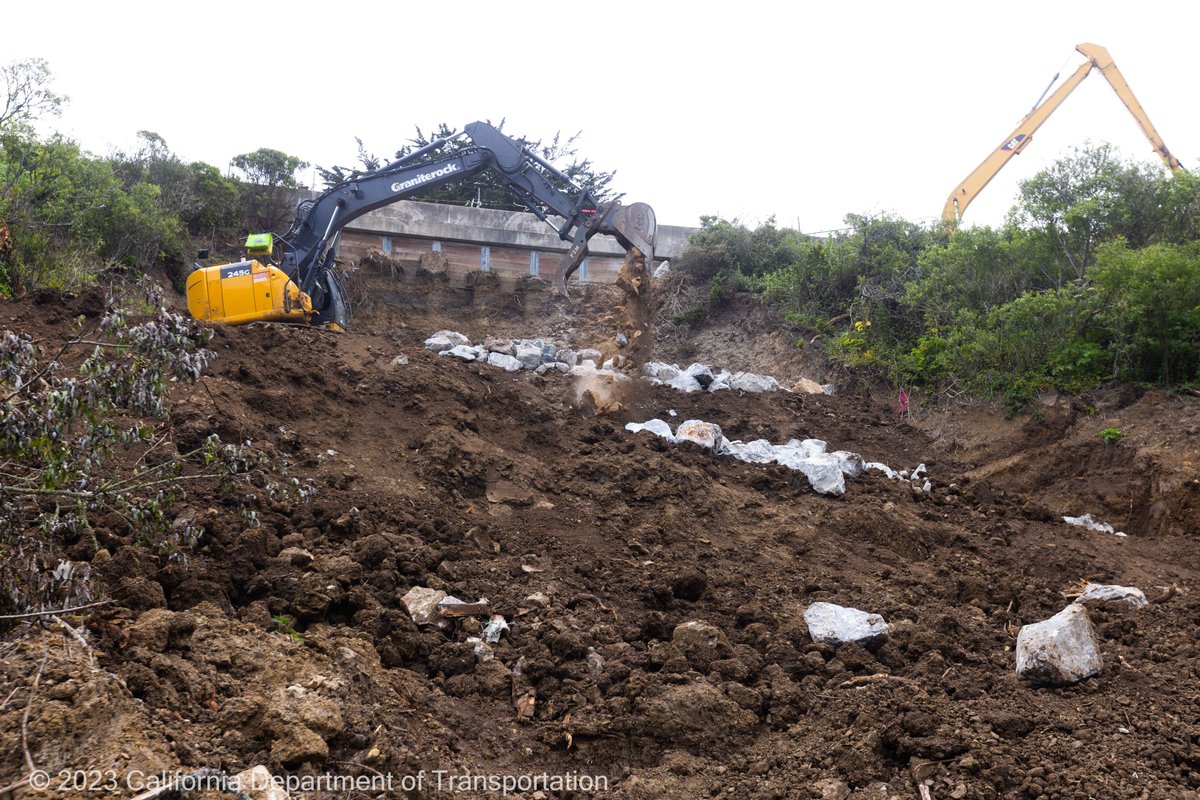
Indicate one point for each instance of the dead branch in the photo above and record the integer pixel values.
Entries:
(863, 680)
(79, 637)
(53, 611)
(1167, 595)
(12, 787)
(25, 717)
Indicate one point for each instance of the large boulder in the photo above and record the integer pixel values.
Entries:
(833, 624)
(503, 361)
(701, 373)
(706, 434)
(464, 351)
(656, 426)
(759, 451)
(824, 472)
(851, 464)
(444, 340)
(659, 371)
(751, 382)
(529, 354)
(1109, 593)
(1060, 650)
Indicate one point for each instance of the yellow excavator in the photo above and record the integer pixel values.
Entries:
(304, 287)
(1019, 139)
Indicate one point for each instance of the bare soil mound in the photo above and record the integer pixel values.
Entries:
(595, 545)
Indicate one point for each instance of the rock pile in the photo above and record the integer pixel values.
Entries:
(542, 357)
(826, 471)
(510, 355)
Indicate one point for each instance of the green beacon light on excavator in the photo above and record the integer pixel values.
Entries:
(260, 244)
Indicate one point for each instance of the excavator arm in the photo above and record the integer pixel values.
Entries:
(1019, 139)
(310, 242)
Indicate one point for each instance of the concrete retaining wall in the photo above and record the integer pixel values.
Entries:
(511, 243)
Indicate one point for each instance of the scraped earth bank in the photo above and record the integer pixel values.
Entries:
(596, 545)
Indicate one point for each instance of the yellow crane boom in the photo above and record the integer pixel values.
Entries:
(1019, 139)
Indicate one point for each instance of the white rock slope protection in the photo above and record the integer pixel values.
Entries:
(826, 471)
(543, 357)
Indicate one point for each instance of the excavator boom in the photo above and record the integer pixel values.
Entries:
(1019, 139)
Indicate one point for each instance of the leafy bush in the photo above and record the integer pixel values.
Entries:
(1150, 310)
(64, 208)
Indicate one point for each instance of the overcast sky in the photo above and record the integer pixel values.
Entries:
(803, 111)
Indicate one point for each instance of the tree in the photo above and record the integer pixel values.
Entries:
(334, 175)
(487, 189)
(68, 215)
(196, 192)
(1150, 310)
(269, 187)
(26, 92)
(1080, 201)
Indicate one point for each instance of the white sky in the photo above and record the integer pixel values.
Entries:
(745, 109)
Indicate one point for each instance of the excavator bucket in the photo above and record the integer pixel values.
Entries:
(634, 226)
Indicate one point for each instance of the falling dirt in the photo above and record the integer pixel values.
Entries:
(597, 545)
(630, 346)
(638, 324)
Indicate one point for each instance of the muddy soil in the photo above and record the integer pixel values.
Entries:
(596, 545)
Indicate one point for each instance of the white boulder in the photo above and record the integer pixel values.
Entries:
(824, 474)
(503, 361)
(1092, 524)
(701, 373)
(751, 382)
(884, 468)
(851, 464)
(1111, 593)
(655, 426)
(1059, 650)
(706, 434)
(463, 351)
(659, 371)
(258, 783)
(834, 624)
(759, 451)
(444, 340)
(530, 355)
(684, 383)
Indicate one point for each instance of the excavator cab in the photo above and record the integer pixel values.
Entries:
(254, 290)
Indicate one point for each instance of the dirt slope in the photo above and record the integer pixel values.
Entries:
(482, 483)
